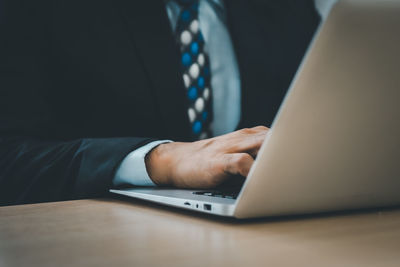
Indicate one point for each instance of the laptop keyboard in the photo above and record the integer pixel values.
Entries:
(229, 189)
(219, 193)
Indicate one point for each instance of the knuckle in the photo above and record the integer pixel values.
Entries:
(232, 163)
(246, 131)
(208, 142)
(241, 160)
(243, 164)
(253, 130)
(261, 128)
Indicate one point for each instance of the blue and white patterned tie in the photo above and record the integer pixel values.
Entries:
(195, 68)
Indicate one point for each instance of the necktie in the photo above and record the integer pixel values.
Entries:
(195, 68)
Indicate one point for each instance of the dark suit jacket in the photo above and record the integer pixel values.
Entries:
(85, 82)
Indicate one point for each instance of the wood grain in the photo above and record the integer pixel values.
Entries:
(109, 232)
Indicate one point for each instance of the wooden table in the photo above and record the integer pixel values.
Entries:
(132, 233)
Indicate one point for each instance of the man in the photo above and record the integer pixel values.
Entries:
(92, 91)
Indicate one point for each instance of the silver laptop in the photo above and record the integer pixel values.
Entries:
(335, 143)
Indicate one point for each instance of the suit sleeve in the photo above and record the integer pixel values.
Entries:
(43, 157)
(38, 170)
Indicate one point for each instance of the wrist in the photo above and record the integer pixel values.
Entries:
(158, 162)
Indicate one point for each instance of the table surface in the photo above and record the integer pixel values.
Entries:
(117, 232)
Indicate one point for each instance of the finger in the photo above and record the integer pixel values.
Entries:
(237, 164)
(253, 130)
(246, 143)
(244, 131)
(260, 128)
(255, 151)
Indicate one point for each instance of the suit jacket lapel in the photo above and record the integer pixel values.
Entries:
(152, 36)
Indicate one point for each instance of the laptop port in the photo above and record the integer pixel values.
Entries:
(186, 203)
(207, 207)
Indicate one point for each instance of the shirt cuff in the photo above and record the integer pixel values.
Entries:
(132, 169)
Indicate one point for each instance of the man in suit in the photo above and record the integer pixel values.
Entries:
(91, 92)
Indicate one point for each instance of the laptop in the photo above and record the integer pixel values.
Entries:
(335, 142)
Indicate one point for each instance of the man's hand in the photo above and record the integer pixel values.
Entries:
(206, 163)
